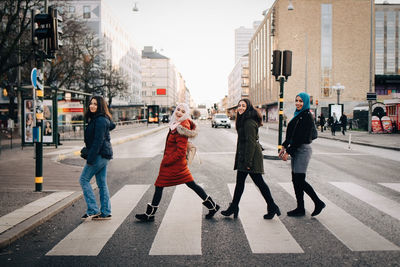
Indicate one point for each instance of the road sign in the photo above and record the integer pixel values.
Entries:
(34, 77)
(371, 96)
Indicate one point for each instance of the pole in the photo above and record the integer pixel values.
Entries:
(39, 133)
(338, 96)
(370, 66)
(281, 82)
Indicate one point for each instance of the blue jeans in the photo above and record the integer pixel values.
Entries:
(100, 170)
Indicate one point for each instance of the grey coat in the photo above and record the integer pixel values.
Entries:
(248, 149)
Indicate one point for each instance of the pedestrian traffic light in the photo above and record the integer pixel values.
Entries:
(287, 64)
(5, 93)
(276, 63)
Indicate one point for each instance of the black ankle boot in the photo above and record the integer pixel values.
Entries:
(148, 216)
(211, 206)
(297, 212)
(233, 209)
(318, 208)
(271, 212)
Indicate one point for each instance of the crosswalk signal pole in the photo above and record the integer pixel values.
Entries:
(281, 73)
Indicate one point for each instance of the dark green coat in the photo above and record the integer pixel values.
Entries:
(248, 149)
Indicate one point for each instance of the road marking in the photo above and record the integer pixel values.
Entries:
(89, 238)
(264, 236)
(180, 229)
(393, 186)
(350, 231)
(379, 202)
(11, 219)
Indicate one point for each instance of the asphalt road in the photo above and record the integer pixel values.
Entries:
(360, 226)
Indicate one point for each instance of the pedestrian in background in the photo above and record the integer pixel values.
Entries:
(343, 121)
(97, 141)
(297, 145)
(249, 159)
(322, 122)
(174, 169)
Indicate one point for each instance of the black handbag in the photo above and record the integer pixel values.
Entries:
(84, 152)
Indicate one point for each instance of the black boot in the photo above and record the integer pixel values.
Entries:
(211, 206)
(233, 209)
(272, 211)
(148, 216)
(318, 208)
(298, 190)
(319, 204)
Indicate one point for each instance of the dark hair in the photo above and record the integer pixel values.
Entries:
(102, 108)
(249, 113)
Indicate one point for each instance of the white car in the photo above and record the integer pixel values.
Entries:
(220, 120)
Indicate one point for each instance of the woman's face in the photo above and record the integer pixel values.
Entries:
(242, 107)
(93, 105)
(180, 111)
(299, 103)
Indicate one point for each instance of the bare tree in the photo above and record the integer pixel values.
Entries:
(115, 83)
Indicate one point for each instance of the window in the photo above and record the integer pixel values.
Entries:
(86, 12)
(71, 9)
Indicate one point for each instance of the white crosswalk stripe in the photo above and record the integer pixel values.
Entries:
(89, 238)
(180, 229)
(393, 186)
(264, 236)
(182, 223)
(350, 231)
(379, 202)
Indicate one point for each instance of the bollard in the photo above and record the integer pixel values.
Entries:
(349, 141)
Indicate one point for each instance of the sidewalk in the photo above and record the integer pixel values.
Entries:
(387, 141)
(22, 209)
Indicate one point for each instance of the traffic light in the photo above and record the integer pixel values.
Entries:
(41, 26)
(56, 31)
(5, 93)
(287, 63)
(276, 63)
(47, 27)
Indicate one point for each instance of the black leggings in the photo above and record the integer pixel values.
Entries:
(192, 185)
(260, 183)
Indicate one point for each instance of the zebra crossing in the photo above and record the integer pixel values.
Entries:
(182, 223)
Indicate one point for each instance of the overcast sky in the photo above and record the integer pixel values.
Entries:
(197, 35)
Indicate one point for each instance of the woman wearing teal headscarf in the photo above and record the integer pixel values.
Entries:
(297, 145)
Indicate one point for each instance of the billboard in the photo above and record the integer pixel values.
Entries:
(161, 91)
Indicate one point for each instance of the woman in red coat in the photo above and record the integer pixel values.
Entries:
(173, 168)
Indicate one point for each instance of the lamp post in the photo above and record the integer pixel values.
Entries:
(338, 87)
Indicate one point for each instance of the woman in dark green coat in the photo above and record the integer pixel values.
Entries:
(249, 159)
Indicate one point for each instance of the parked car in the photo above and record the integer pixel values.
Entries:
(220, 120)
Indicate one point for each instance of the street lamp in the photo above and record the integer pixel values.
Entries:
(338, 87)
(290, 6)
(135, 8)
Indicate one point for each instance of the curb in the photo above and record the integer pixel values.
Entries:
(19, 230)
(28, 225)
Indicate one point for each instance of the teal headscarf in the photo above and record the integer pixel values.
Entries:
(306, 100)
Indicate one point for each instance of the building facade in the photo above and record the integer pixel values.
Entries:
(387, 48)
(326, 51)
(160, 80)
(238, 82)
(242, 37)
(119, 48)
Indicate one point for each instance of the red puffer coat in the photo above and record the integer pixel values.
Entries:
(174, 169)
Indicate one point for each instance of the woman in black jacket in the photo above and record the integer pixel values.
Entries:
(249, 159)
(97, 141)
(297, 145)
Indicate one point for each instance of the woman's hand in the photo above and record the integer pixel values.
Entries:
(281, 152)
(285, 156)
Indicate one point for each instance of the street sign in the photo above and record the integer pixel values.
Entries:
(371, 96)
(34, 77)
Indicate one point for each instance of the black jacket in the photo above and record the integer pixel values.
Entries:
(298, 132)
(248, 149)
(97, 138)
